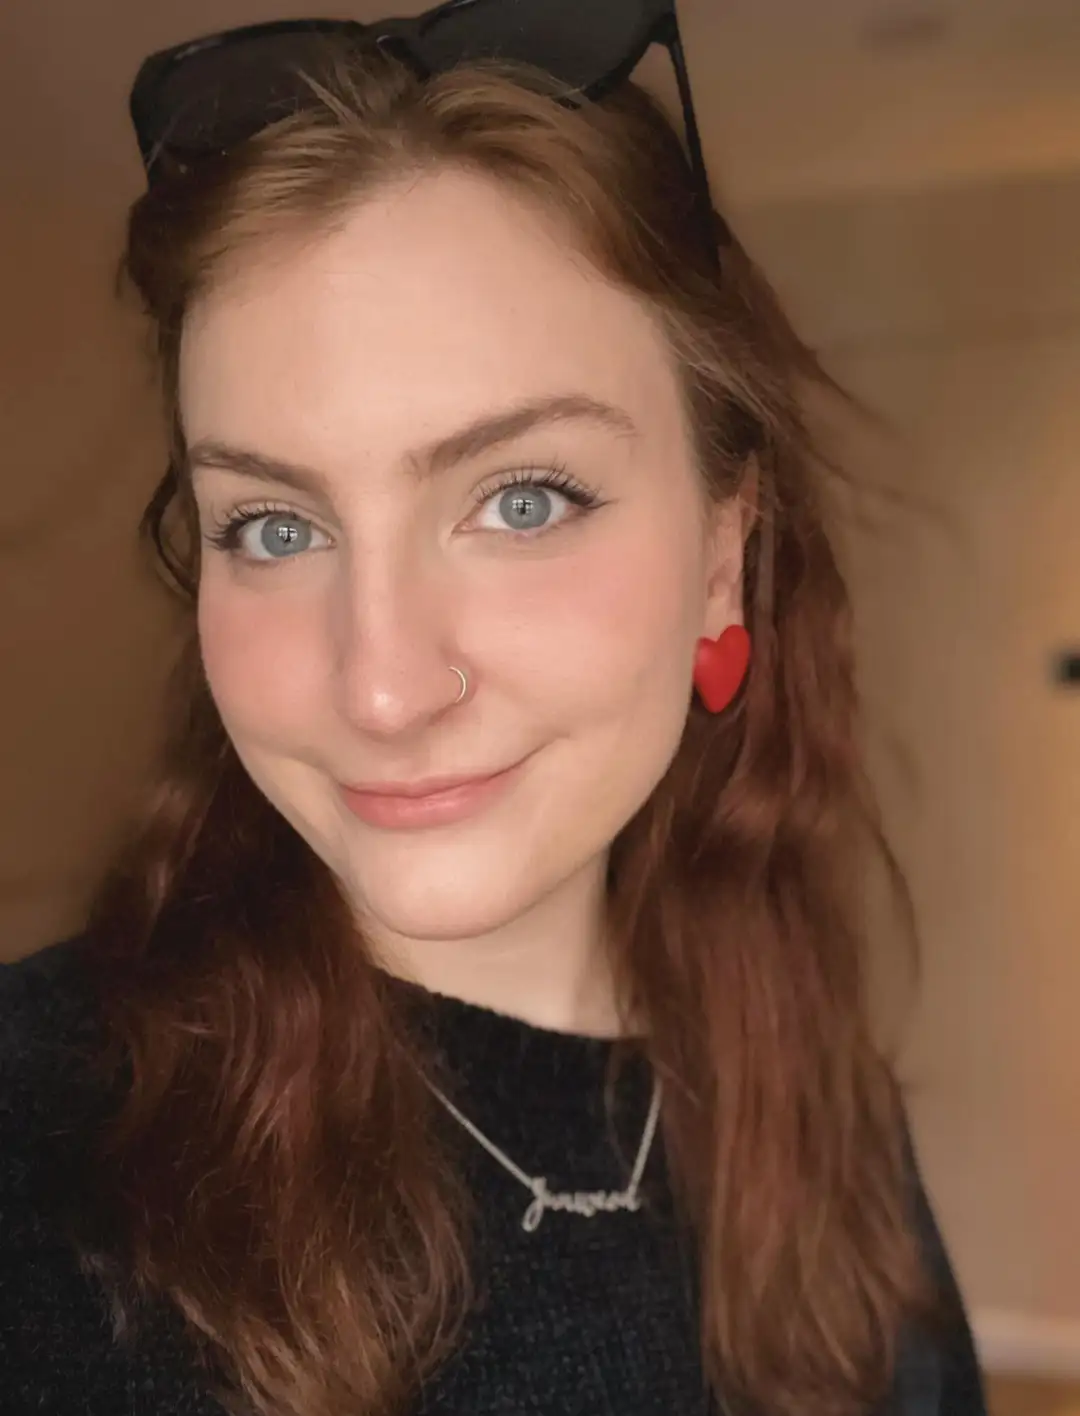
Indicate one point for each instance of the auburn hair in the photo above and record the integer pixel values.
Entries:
(274, 1173)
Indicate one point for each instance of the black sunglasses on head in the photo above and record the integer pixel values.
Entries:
(208, 95)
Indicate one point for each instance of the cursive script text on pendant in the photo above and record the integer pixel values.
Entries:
(583, 1202)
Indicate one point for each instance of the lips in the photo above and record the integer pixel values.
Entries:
(435, 801)
(430, 786)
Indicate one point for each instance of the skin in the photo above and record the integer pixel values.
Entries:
(350, 355)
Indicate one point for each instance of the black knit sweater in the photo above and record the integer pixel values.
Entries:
(583, 1317)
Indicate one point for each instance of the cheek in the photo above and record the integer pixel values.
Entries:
(259, 653)
(608, 675)
(616, 627)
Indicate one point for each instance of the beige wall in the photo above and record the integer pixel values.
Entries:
(957, 313)
(84, 623)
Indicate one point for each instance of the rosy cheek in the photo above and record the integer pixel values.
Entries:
(259, 659)
(598, 621)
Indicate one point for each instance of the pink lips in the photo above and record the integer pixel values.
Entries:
(438, 803)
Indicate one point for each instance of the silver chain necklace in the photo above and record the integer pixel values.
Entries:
(581, 1202)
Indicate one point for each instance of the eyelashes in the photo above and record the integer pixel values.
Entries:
(555, 477)
(225, 532)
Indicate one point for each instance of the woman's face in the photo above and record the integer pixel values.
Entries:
(367, 400)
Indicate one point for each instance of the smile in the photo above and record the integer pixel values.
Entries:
(438, 802)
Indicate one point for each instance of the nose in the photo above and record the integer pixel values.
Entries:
(394, 648)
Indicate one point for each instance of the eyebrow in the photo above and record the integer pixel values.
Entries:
(485, 433)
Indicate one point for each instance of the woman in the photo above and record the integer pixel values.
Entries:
(481, 999)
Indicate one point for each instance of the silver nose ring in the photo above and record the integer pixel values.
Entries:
(464, 684)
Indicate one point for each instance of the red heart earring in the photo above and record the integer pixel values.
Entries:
(720, 666)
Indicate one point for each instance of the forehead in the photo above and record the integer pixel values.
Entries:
(434, 302)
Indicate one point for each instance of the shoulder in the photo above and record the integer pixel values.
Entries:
(48, 1084)
(46, 1015)
(37, 986)
(57, 1345)
(50, 1104)
(939, 1372)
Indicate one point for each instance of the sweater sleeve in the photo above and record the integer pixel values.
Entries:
(53, 1330)
(46, 1024)
(59, 1349)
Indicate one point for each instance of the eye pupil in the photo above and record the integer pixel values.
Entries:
(282, 534)
(525, 509)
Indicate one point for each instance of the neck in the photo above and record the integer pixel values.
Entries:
(548, 967)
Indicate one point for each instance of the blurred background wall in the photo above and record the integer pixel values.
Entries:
(908, 171)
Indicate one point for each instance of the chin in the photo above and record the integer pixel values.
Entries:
(454, 883)
(445, 904)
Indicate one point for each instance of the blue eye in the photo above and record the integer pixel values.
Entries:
(265, 534)
(520, 502)
(525, 502)
(524, 508)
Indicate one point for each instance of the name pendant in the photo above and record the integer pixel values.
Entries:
(582, 1202)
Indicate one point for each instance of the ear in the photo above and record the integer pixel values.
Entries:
(731, 523)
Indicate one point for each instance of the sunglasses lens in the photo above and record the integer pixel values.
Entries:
(581, 44)
(218, 96)
(221, 94)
